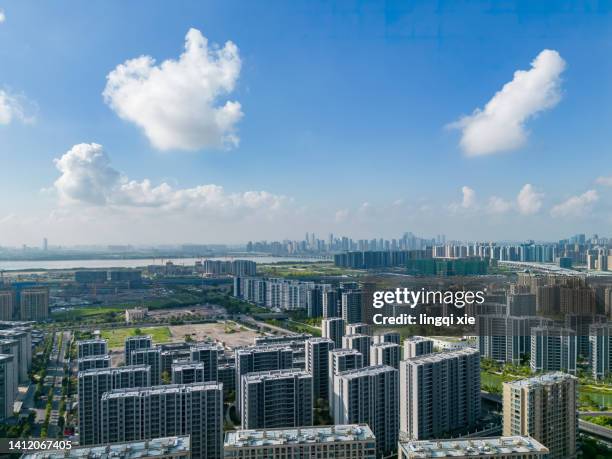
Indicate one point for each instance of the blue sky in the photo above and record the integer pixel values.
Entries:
(345, 112)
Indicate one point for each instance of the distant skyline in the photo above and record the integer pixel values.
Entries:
(223, 122)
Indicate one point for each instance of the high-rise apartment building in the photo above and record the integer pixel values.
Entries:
(257, 359)
(385, 354)
(153, 412)
(544, 408)
(92, 384)
(331, 301)
(517, 447)
(7, 308)
(187, 372)
(328, 442)
(600, 336)
(279, 398)
(208, 354)
(439, 393)
(317, 364)
(370, 395)
(333, 328)
(390, 336)
(94, 362)
(148, 356)
(91, 347)
(415, 346)
(341, 360)
(133, 343)
(34, 303)
(8, 386)
(553, 349)
(23, 336)
(358, 329)
(360, 343)
(351, 306)
(157, 448)
(503, 338)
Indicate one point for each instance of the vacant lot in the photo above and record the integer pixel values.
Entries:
(116, 338)
(230, 334)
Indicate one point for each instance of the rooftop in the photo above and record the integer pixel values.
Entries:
(373, 370)
(416, 339)
(475, 447)
(441, 356)
(164, 389)
(277, 374)
(546, 378)
(345, 351)
(148, 448)
(92, 341)
(271, 437)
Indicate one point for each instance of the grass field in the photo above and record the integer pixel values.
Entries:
(85, 313)
(305, 270)
(116, 338)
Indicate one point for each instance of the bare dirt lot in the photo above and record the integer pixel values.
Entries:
(231, 335)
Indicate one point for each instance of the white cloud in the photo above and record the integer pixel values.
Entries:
(14, 107)
(2, 16)
(88, 178)
(605, 181)
(177, 103)
(497, 205)
(529, 201)
(576, 206)
(500, 126)
(469, 197)
(341, 215)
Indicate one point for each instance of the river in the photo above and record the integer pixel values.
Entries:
(22, 265)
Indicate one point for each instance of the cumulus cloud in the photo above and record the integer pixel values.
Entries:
(87, 177)
(497, 205)
(529, 201)
(14, 107)
(341, 215)
(605, 181)
(469, 197)
(178, 102)
(500, 126)
(576, 206)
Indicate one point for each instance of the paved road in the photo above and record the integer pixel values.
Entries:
(595, 429)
